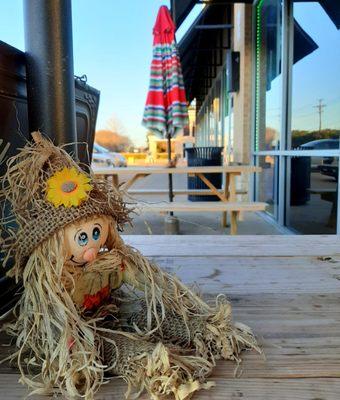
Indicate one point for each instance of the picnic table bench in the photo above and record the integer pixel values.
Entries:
(287, 288)
(201, 206)
(227, 195)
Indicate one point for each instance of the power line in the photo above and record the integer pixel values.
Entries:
(320, 107)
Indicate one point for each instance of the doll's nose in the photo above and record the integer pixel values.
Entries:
(90, 254)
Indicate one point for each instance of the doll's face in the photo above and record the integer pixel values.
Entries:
(84, 239)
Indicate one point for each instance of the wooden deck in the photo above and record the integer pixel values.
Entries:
(287, 288)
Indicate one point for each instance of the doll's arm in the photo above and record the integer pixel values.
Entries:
(172, 305)
(162, 288)
(108, 267)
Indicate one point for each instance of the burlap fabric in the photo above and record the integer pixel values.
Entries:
(162, 371)
(35, 219)
(50, 219)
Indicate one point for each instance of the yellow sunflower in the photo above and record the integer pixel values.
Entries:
(68, 187)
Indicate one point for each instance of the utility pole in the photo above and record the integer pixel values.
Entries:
(320, 108)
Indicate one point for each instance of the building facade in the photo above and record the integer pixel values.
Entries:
(273, 99)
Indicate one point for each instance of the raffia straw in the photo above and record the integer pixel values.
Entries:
(47, 319)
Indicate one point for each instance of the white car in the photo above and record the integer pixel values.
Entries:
(102, 157)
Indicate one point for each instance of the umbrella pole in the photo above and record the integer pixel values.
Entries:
(171, 223)
(171, 194)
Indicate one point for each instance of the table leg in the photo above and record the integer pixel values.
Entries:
(232, 198)
(233, 228)
(224, 221)
(221, 196)
(115, 180)
(232, 187)
(131, 181)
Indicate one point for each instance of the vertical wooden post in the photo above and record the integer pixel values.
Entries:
(226, 194)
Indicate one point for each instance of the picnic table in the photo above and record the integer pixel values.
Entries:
(287, 288)
(226, 195)
(230, 173)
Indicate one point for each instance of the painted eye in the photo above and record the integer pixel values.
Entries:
(96, 233)
(83, 239)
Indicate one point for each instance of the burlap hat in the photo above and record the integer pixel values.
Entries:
(44, 190)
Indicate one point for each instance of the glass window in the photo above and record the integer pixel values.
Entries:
(268, 90)
(228, 121)
(312, 206)
(211, 121)
(267, 183)
(315, 75)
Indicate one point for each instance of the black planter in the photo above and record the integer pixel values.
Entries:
(202, 157)
(300, 180)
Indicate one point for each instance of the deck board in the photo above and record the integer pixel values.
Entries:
(289, 296)
(234, 389)
(244, 245)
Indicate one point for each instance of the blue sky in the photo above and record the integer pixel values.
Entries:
(314, 77)
(317, 75)
(112, 45)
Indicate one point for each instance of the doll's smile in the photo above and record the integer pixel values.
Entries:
(88, 256)
(76, 262)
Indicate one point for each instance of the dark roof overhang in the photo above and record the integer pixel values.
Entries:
(202, 49)
(180, 9)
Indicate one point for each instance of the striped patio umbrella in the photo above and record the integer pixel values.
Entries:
(166, 107)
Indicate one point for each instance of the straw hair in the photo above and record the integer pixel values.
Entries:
(46, 321)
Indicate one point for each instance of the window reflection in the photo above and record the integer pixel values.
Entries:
(268, 74)
(313, 195)
(267, 182)
(213, 120)
(315, 77)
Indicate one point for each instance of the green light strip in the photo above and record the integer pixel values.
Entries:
(258, 70)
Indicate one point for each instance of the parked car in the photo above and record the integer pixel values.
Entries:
(325, 165)
(102, 157)
(321, 144)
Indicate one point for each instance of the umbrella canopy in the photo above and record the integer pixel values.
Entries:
(166, 107)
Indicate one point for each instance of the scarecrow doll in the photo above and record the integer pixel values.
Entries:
(92, 306)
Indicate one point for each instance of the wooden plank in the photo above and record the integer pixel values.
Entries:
(233, 221)
(246, 275)
(132, 180)
(285, 287)
(115, 180)
(225, 389)
(235, 246)
(298, 339)
(298, 342)
(200, 206)
(177, 170)
(156, 192)
(226, 187)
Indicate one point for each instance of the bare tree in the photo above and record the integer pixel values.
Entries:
(113, 137)
(115, 125)
(113, 141)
